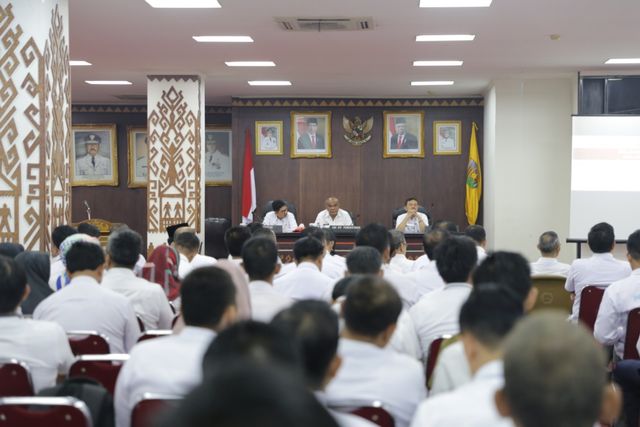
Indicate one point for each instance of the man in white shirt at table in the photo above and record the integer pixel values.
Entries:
(173, 365)
(412, 221)
(333, 215)
(601, 269)
(548, 264)
(280, 215)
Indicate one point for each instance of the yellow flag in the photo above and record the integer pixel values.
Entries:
(474, 180)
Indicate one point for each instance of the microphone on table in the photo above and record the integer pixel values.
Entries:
(86, 205)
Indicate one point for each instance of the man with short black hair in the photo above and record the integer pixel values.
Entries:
(479, 235)
(601, 269)
(306, 281)
(59, 234)
(85, 305)
(330, 267)
(260, 261)
(412, 221)
(187, 244)
(234, 238)
(548, 264)
(149, 300)
(173, 365)
(399, 260)
(369, 372)
(43, 346)
(89, 229)
(280, 215)
(425, 272)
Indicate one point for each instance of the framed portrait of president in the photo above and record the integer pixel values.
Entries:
(94, 155)
(311, 134)
(403, 134)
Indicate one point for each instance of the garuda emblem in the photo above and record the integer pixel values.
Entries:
(357, 131)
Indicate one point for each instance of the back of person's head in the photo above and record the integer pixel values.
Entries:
(315, 232)
(207, 293)
(371, 306)
(374, 235)
(234, 238)
(455, 258)
(188, 241)
(633, 245)
(329, 235)
(397, 240)
(11, 250)
(124, 248)
(308, 248)
(548, 243)
(264, 232)
(88, 229)
(13, 282)
(254, 226)
(364, 260)
(259, 258)
(554, 373)
(60, 233)
(433, 238)
(341, 286)
(276, 205)
(489, 314)
(84, 256)
(477, 233)
(313, 326)
(601, 238)
(449, 226)
(509, 269)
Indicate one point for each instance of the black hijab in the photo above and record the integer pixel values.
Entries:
(37, 267)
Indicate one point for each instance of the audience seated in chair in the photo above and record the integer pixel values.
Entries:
(332, 266)
(548, 264)
(398, 254)
(187, 244)
(234, 238)
(479, 235)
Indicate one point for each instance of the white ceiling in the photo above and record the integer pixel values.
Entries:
(127, 40)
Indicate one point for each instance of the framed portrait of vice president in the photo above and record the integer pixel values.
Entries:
(403, 134)
(94, 155)
(311, 134)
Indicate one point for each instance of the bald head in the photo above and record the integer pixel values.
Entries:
(333, 206)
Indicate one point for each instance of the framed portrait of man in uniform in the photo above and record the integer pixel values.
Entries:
(403, 134)
(311, 134)
(138, 156)
(217, 156)
(446, 138)
(94, 155)
(269, 138)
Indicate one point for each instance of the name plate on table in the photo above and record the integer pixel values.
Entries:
(345, 229)
(276, 228)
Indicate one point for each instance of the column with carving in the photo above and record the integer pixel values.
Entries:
(35, 121)
(175, 122)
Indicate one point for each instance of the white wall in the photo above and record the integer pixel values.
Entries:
(527, 162)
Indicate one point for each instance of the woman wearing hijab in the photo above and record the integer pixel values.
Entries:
(36, 265)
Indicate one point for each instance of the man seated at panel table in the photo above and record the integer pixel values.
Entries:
(333, 215)
(280, 216)
(412, 221)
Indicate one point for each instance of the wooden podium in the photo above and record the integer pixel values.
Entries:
(103, 225)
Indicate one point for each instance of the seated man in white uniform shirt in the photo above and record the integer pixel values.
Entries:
(43, 346)
(149, 300)
(187, 244)
(333, 215)
(260, 261)
(485, 320)
(234, 238)
(267, 233)
(369, 371)
(333, 267)
(548, 264)
(59, 234)
(479, 235)
(280, 215)
(87, 306)
(412, 221)
(601, 269)
(426, 277)
(173, 365)
(399, 260)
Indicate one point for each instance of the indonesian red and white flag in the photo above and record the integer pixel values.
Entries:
(248, 182)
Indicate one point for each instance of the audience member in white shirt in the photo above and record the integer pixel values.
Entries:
(313, 327)
(333, 267)
(148, 299)
(59, 234)
(234, 238)
(618, 300)
(269, 234)
(187, 243)
(43, 346)
(399, 261)
(485, 320)
(306, 281)
(426, 278)
(173, 365)
(85, 305)
(601, 269)
(548, 264)
(369, 371)
(260, 260)
(412, 221)
(479, 235)
(333, 215)
(542, 389)
(280, 215)
(436, 314)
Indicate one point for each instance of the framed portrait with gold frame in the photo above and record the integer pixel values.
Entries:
(310, 134)
(446, 138)
(403, 134)
(138, 156)
(269, 138)
(217, 155)
(94, 155)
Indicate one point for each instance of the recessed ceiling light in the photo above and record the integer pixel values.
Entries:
(184, 4)
(623, 61)
(433, 83)
(437, 63)
(445, 37)
(250, 64)
(223, 39)
(108, 82)
(269, 83)
(455, 3)
(79, 63)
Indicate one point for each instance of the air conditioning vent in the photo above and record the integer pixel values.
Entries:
(324, 24)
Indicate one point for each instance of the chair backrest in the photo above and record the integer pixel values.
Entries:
(633, 333)
(268, 208)
(88, 342)
(551, 293)
(44, 412)
(149, 335)
(150, 407)
(590, 300)
(15, 378)
(399, 211)
(432, 357)
(103, 368)
(376, 414)
(214, 229)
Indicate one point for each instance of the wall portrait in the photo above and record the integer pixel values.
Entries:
(94, 156)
